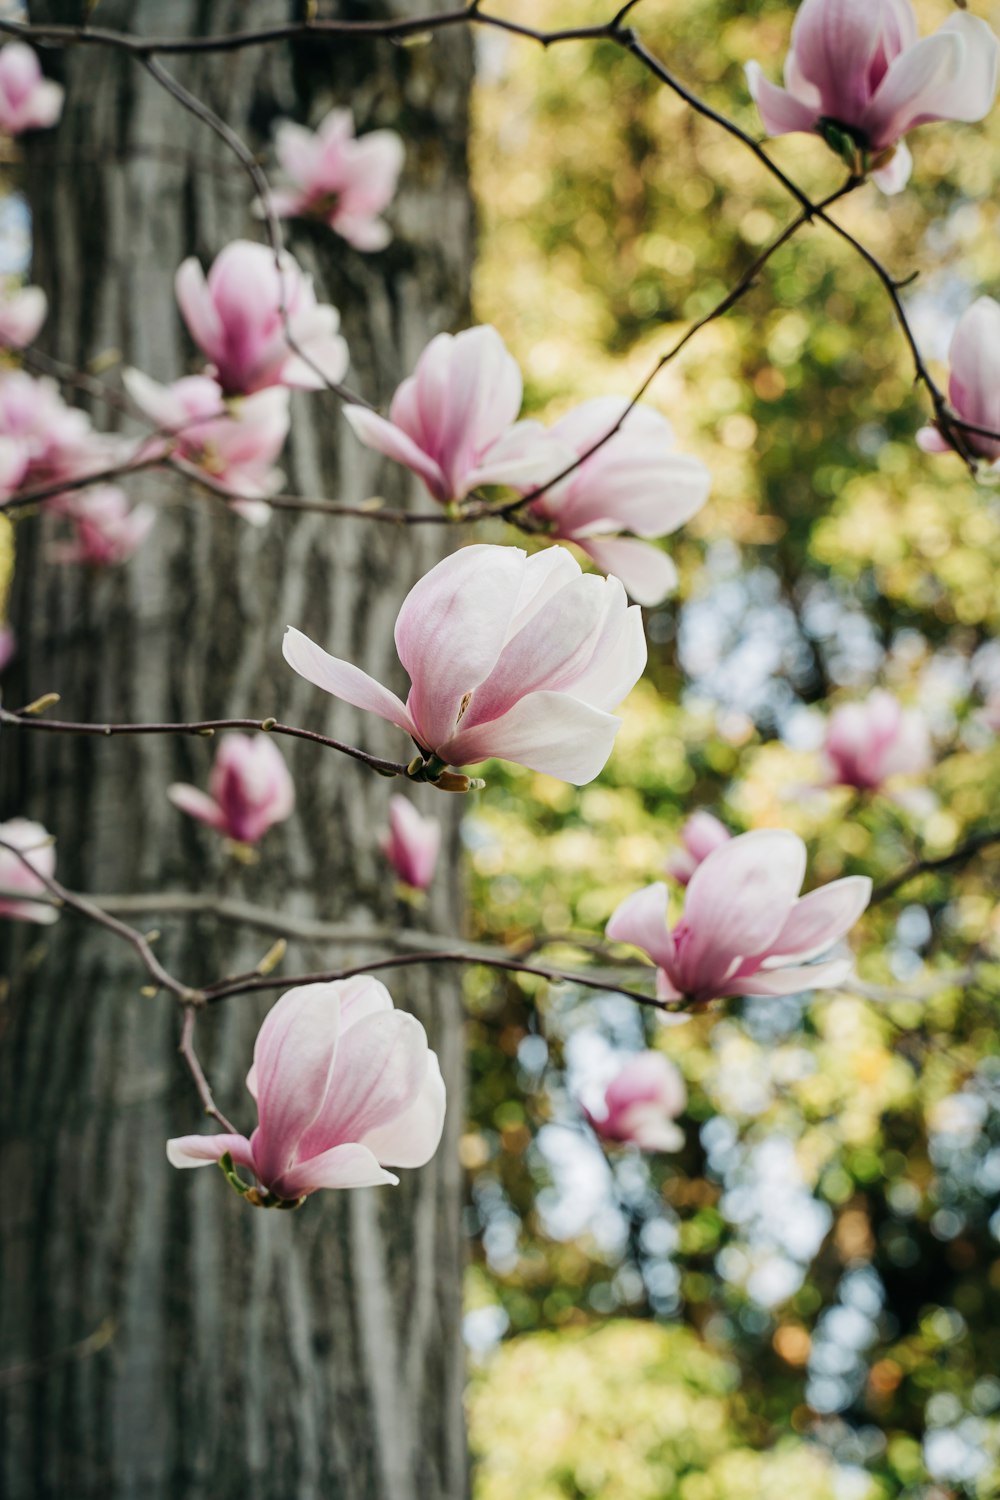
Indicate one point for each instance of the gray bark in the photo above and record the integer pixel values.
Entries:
(160, 1338)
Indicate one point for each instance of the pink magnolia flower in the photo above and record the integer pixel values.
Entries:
(701, 834)
(511, 656)
(14, 460)
(868, 742)
(28, 101)
(859, 75)
(641, 1103)
(8, 646)
(635, 483)
(454, 420)
(56, 441)
(235, 317)
(345, 1086)
(249, 790)
(235, 441)
(107, 530)
(34, 842)
(745, 930)
(344, 182)
(411, 844)
(974, 381)
(22, 313)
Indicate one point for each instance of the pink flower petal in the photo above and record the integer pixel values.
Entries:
(548, 732)
(413, 1137)
(641, 920)
(737, 902)
(347, 1166)
(203, 1150)
(819, 920)
(343, 679)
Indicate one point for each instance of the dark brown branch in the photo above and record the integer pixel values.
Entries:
(204, 727)
(194, 1067)
(964, 851)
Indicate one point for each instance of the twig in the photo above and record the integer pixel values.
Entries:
(985, 839)
(194, 1067)
(203, 727)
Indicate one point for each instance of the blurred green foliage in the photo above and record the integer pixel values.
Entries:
(815, 1278)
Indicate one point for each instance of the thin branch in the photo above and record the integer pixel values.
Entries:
(194, 1067)
(964, 851)
(226, 988)
(87, 908)
(205, 727)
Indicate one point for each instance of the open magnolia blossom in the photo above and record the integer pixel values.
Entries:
(859, 75)
(345, 1085)
(340, 180)
(867, 743)
(641, 1104)
(249, 789)
(57, 441)
(22, 313)
(258, 322)
(411, 843)
(234, 440)
(699, 836)
(635, 483)
(28, 100)
(521, 658)
(454, 420)
(973, 382)
(745, 929)
(107, 529)
(15, 876)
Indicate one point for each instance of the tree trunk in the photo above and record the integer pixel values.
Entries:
(159, 1338)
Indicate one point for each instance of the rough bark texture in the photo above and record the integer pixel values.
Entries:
(238, 1353)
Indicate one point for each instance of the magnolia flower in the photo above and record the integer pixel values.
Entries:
(249, 790)
(859, 75)
(14, 460)
(411, 844)
(511, 656)
(22, 313)
(745, 930)
(234, 441)
(15, 876)
(258, 324)
(453, 420)
(8, 646)
(868, 742)
(641, 1103)
(700, 835)
(28, 101)
(344, 182)
(345, 1086)
(634, 483)
(56, 440)
(107, 530)
(974, 381)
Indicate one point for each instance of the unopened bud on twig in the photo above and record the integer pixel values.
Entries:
(40, 704)
(272, 958)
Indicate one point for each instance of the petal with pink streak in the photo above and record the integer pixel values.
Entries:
(780, 111)
(344, 680)
(796, 980)
(550, 652)
(360, 998)
(413, 1137)
(203, 1150)
(619, 655)
(347, 1166)
(738, 901)
(451, 630)
(835, 43)
(197, 309)
(197, 804)
(385, 437)
(641, 920)
(974, 386)
(648, 574)
(547, 732)
(819, 920)
(380, 1071)
(294, 1058)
